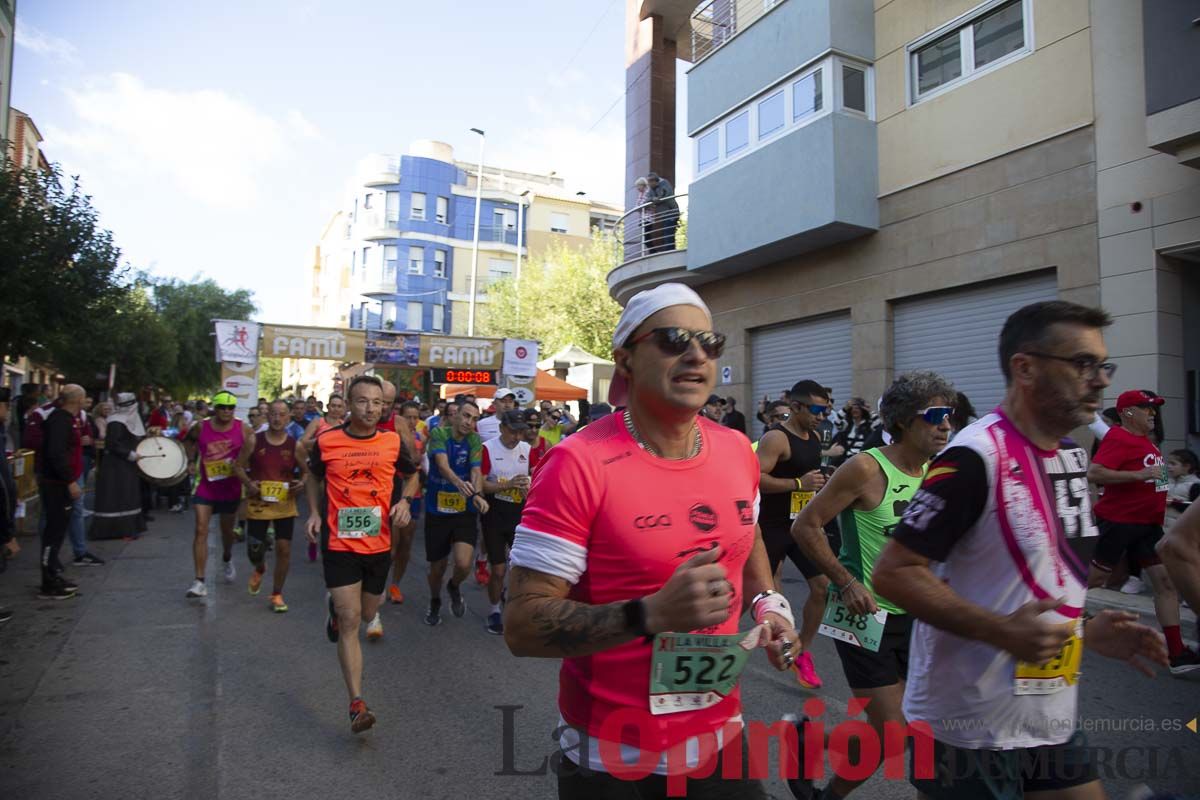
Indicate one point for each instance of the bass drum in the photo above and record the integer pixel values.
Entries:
(161, 461)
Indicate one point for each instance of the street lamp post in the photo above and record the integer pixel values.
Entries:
(475, 241)
(520, 244)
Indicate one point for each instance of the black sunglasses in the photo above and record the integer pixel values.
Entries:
(676, 341)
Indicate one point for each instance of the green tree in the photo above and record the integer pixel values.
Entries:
(562, 299)
(58, 270)
(189, 309)
(270, 377)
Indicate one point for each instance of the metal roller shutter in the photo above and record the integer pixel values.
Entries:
(956, 333)
(818, 349)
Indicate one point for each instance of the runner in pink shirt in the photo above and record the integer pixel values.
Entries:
(637, 554)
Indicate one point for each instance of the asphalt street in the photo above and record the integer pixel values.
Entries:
(130, 690)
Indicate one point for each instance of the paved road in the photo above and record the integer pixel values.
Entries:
(132, 691)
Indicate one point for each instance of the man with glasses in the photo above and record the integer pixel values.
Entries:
(868, 495)
(997, 646)
(789, 460)
(369, 475)
(214, 446)
(637, 530)
(1130, 513)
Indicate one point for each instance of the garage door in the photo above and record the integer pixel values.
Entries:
(956, 333)
(813, 349)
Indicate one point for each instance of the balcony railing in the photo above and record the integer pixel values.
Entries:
(652, 228)
(717, 21)
(494, 233)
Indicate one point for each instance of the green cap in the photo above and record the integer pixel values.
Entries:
(224, 399)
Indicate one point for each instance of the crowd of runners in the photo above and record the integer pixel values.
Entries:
(948, 557)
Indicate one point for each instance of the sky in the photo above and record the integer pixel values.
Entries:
(217, 139)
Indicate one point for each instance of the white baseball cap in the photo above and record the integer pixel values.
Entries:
(504, 392)
(640, 308)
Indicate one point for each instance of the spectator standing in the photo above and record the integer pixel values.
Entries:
(857, 428)
(733, 418)
(8, 497)
(646, 231)
(119, 513)
(666, 213)
(61, 466)
(1183, 484)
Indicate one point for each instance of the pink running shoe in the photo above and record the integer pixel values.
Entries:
(806, 672)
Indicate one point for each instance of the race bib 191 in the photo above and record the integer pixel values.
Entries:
(359, 522)
(690, 671)
(273, 491)
(1056, 674)
(451, 503)
(860, 630)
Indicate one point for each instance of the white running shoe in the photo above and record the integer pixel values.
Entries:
(230, 573)
(198, 589)
(375, 628)
(1133, 586)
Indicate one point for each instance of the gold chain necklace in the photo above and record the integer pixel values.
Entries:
(649, 448)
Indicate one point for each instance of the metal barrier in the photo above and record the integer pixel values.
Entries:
(717, 21)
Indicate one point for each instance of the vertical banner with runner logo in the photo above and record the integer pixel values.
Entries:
(241, 380)
(237, 341)
(520, 357)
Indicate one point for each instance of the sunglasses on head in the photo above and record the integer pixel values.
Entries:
(935, 414)
(676, 341)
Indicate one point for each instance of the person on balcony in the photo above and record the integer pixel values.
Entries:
(666, 213)
(645, 239)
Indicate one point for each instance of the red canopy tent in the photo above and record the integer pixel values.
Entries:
(545, 387)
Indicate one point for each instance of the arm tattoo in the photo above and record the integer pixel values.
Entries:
(568, 626)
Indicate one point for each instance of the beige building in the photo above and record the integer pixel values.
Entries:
(881, 194)
(8, 22)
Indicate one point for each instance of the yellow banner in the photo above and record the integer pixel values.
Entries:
(449, 352)
(285, 341)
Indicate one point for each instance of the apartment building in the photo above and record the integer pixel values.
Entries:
(879, 183)
(8, 24)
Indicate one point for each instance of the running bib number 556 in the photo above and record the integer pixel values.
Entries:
(689, 672)
(359, 522)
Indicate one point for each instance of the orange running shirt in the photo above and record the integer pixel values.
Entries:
(364, 477)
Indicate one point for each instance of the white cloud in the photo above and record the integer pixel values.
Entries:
(207, 144)
(42, 43)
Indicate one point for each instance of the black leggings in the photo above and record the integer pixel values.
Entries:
(256, 536)
(56, 500)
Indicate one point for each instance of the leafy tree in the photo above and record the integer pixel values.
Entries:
(562, 299)
(58, 270)
(189, 309)
(270, 378)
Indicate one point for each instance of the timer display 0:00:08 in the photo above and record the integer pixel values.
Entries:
(469, 376)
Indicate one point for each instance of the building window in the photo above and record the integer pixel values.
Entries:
(439, 263)
(806, 96)
(737, 133)
(391, 254)
(389, 314)
(417, 207)
(499, 269)
(558, 222)
(708, 149)
(392, 207)
(439, 317)
(443, 210)
(414, 316)
(991, 35)
(770, 115)
(416, 260)
(367, 200)
(365, 263)
(854, 88)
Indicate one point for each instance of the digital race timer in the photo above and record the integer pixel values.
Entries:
(464, 376)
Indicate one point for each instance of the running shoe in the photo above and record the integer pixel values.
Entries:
(361, 717)
(802, 788)
(55, 590)
(1133, 586)
(68, 585)
(331, 626)
(5, 614)
(434, 615)
(1185, 662)
(395, 595)
(198, 589)
(228, 572)
(312, 551)
(177, 508)
(88, 560)
(495, 624)
(806, 672)
(457, 606)
(277, 604)
(256, 579)
(375, 629)
(482, 576)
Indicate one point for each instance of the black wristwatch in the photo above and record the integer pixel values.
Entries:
(635, 618)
